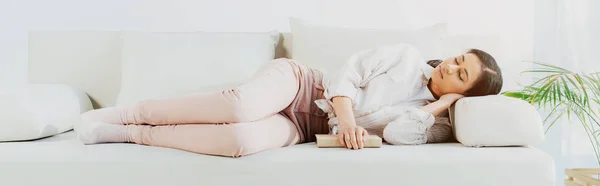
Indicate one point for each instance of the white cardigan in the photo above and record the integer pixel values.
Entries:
(387, 86)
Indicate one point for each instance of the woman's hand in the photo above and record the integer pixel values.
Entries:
(442, 104)
(352, 136)
(450, 98)
(349, 135)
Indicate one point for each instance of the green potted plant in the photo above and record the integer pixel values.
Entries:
(565, 93)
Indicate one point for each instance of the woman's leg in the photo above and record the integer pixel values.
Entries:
(233, 140)
(268, 92)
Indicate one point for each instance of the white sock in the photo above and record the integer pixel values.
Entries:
(109, 114)
(94, 132)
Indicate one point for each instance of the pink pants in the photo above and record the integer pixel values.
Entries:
(273, 109)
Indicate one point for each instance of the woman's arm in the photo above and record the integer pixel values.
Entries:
(343, 111)
(442, 104)
(349, 135)
(355, 74)
(359, 70)
(441, 131)
(415, 125)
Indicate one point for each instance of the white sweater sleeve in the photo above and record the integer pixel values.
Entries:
(364, 66)
(410, 128)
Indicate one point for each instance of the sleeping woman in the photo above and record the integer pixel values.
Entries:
(389, 91)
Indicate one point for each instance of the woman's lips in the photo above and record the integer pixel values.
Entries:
(441, 74)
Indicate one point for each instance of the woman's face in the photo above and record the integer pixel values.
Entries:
(456, 74)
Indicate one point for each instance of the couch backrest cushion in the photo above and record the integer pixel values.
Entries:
(327, 48)
(87, 60)
(159, 65)
(92, 60)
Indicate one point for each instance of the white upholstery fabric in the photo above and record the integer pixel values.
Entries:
(91, 59)
(62, 160)
(496, 120)
(327, 48)
(158, 65)
(37, 111)
(88, 60)
(457, 44)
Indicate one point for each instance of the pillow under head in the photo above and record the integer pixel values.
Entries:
(496, 120)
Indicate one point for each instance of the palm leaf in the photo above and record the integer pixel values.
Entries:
(572, 82)
(552, 66)
(545, 89)
(517, 94)
(593, 82)
(583, 109)
(558, 92)
(565, 92)
(543, 70)
(585, 98)
(593, 139)
(555, 118)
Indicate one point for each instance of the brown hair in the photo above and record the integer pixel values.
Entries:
(490, 82)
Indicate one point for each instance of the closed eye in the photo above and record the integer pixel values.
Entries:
(459, 72)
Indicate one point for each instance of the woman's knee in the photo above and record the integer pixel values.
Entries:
(239, 142)
(248, 138)
(142, 113)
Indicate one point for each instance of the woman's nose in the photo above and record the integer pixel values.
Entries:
(451, 68)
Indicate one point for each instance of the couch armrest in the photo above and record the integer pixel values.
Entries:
(40, 110)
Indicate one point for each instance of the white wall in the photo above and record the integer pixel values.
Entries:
(512, 18)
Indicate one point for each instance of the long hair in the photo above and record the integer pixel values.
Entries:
(490, 82)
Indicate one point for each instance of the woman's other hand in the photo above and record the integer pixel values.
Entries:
(450, 98)
(349, 135)
(352, 136)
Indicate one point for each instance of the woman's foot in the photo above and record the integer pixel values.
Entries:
(94, 132)
(110, 115)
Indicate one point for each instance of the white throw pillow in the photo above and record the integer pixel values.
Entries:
(37, 111)
(160, 65)
(496, 120)
(327, 48)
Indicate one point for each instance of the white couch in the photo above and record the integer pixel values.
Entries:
(91, 61)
